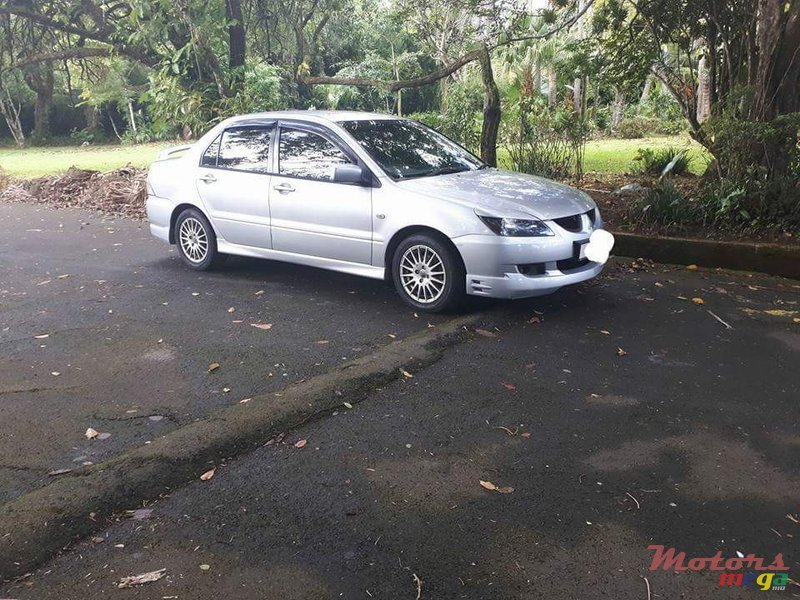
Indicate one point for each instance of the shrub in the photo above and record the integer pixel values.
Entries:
(633, 128)
(545, 142)
(664, 204)
(650, 161)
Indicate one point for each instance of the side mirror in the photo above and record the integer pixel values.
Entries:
(352, 174)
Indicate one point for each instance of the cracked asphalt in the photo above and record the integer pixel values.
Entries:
(657, 405)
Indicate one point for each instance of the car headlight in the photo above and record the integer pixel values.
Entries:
(517, 227)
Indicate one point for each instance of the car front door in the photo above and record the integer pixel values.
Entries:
(311, 214)
(233, 180)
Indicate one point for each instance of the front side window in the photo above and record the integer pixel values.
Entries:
(306, 154)
(245, 149)
(405, 149)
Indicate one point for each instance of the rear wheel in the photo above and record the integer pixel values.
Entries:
(196, 241)
(428, 273)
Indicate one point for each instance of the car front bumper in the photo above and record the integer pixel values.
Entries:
(507, 267)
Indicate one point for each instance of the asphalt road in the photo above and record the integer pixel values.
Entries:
(131, 333)
(622, 413)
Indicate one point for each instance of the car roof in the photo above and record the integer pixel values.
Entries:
(314, 116)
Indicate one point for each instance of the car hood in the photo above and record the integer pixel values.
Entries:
(504, 193)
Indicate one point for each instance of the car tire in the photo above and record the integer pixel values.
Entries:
(428, 273)
(196, 241)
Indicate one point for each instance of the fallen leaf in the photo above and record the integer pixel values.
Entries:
(391, 335)
(488, 485)
(208, 474)
(260, 293)
(534, 320)
(698, 301)
(796, 320)
(322, 342)
(494, 488)
(205, 567)
(64, 276)
(231, 310)
(133, 580)
(59, 472)
(526, 434)
(406, 374)
(91, 434)
(509, 386)
(775, 312)
(213, 367)
(300, 443)
(485, 333)
(621, 352)
(237, 321)
(261, 325)
(348, 405)
(55, 373)
(43, 336)
(140, 514)
(604, 332)
(225, 390)
(195, 293)
(692, 267)
(244, 400)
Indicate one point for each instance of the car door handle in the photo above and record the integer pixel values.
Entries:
(208, 178)
(283, 188)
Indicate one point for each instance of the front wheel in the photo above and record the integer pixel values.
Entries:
(196, 241)
(428, 273)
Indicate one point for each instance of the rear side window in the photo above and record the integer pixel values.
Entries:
(245, 149)
(210, 155)
(306, 154)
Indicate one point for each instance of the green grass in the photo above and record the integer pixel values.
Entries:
(616, 156)
(34, 162)
(605, 156)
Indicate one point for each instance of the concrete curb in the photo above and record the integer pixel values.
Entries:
(773, 259)
(34, 527)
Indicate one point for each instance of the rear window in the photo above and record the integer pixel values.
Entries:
(245, 149)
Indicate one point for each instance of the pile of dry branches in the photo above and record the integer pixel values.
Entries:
(120, 192)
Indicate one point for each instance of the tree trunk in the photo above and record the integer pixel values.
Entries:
(619, 109)
(491, 110)
(778, 74)
(10, 112)
(577, 96)
(39, 78)
(703, 91)
(552, 87)
(648, 87)
(237, 43)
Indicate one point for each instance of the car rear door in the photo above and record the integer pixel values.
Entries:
(233, 180)
(311, 214)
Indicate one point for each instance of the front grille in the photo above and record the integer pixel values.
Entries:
(574, 223)
(571, 263)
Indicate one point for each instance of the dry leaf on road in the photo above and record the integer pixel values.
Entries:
(322, 342)
(698, 301)
(133, 580)
(485, 333)
(59, 472)
(231, 310)
(509, 386)
(91, 434)
(494, 488)
(621, 352)
(300, 443)
(213, 367)
(406, 374)
(261, 325)
(208, 474)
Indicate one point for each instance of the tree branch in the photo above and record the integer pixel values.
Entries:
(67, 54)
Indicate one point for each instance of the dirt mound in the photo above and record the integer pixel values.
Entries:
(120, 192)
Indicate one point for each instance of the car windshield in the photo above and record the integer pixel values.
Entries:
(405, 149)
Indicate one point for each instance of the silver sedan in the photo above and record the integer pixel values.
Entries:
(377, 196)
